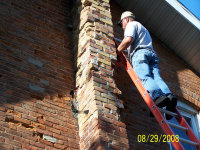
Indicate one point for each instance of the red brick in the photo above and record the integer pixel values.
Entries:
(2, 139)
(30, 147)
(5, 146)
(20, 139)
(29, 136)
(45, 122)
(2, 128)
(23, 129)
(13, 132)
(60, 127)
(110, 116)
(115, 147)
(59, 146)
(60, 137)
(50, 148)
(2, 108)
(53, 130)
(3, 114)
(37, 144)
(46, 142)
(110, 106)
(12, 142)
(2, 134)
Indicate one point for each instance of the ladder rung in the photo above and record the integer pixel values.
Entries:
(188, 142)
(168, 112)
(177, 126)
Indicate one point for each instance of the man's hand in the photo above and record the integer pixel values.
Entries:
(126, 42)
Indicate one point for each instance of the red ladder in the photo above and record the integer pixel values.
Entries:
(157, 111)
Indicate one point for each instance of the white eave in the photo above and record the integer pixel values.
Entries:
(184, 12)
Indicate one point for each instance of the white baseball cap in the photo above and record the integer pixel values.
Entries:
(126, 14)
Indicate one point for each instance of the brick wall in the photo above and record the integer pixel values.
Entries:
(36, 76)
(38, 52)
(96, 91)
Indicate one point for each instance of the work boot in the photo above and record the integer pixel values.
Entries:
(162, 101)
(172, 100)
(171, 105)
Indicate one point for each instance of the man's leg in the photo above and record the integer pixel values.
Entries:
(171, 106)
(154, 65)
(141, 66)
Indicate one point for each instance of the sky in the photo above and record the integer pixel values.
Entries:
(193, 6)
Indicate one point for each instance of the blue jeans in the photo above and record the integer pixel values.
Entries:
(145, 64)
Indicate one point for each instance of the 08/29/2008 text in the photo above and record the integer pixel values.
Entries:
(157, 138)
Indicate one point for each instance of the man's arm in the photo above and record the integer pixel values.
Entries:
(126, 42)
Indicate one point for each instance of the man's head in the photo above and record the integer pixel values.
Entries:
(126, 17)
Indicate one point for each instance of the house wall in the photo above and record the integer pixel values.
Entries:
(42, 60)
(36, 76)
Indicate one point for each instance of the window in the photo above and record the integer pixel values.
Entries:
(193, 119)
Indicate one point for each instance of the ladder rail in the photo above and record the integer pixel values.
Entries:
(189, 132)
(154, 109)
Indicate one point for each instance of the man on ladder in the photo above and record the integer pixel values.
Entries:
(144, 60)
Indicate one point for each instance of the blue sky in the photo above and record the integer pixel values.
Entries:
(193, 6)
